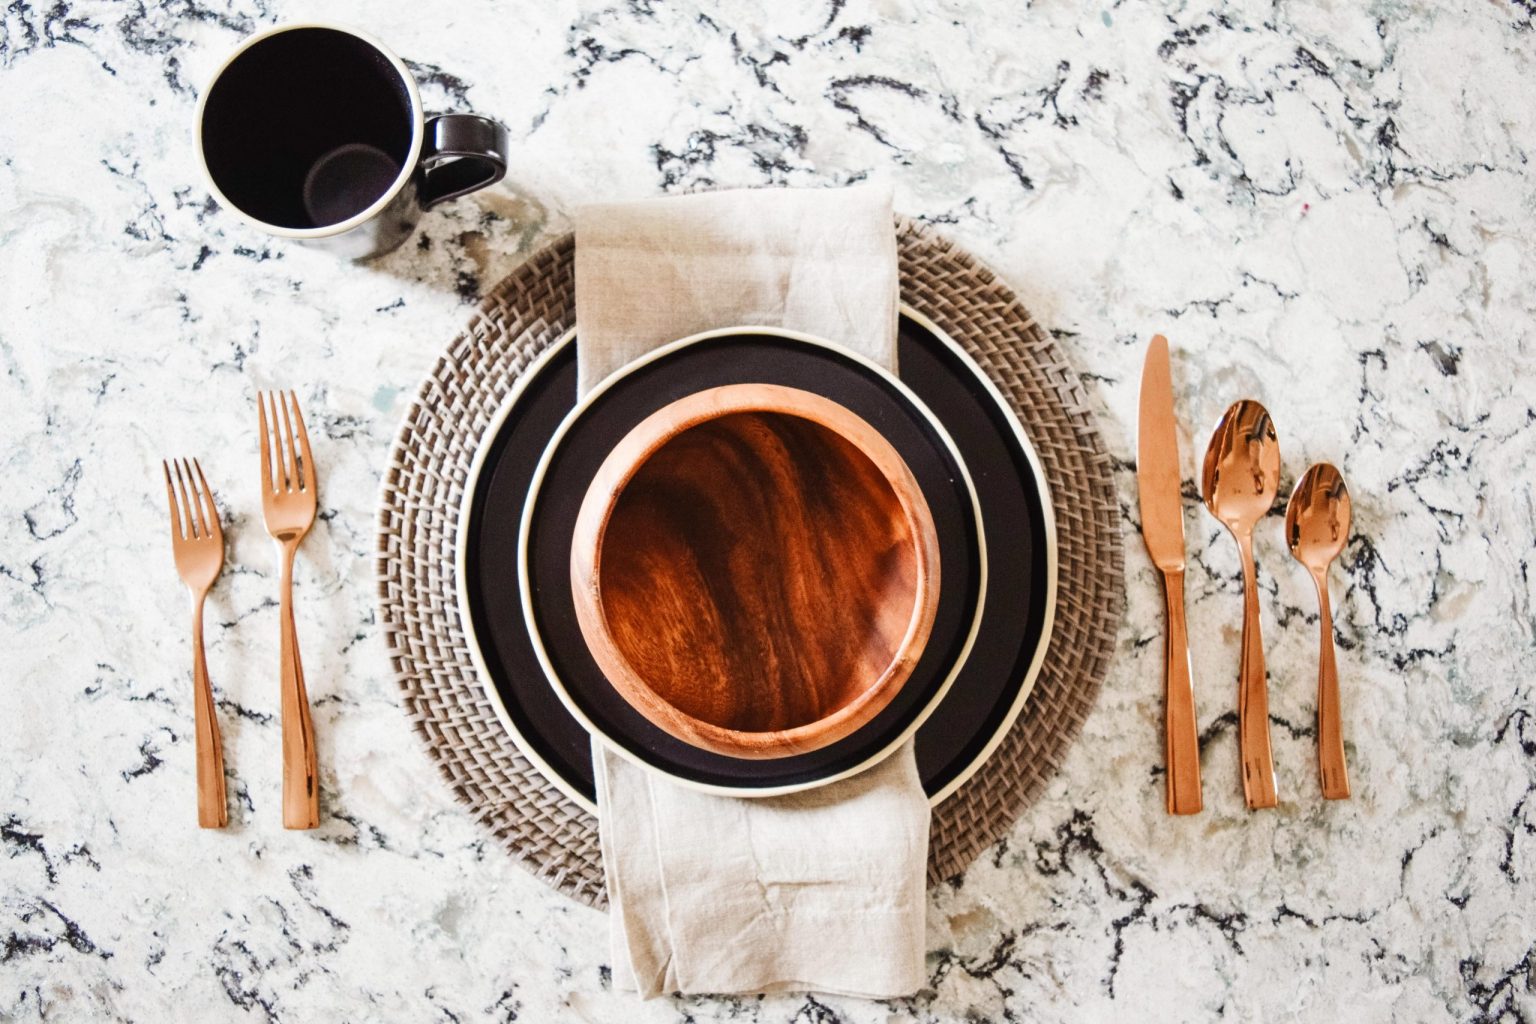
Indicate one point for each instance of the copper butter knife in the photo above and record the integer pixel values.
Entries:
(1162, 527)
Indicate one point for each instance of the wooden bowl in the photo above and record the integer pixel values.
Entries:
(755, 570)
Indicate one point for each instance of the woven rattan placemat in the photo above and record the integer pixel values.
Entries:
(418, 519)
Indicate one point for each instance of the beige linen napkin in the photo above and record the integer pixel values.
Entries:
(822, 890)
(821, 261)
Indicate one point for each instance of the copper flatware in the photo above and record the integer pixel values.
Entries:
(1240, 480)
(1162, 527)
(288, 505)
(1316, 530)
(197, 541)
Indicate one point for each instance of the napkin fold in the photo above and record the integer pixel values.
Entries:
(822, 261)
(822, 890)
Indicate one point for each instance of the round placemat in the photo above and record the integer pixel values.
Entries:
(418, 516)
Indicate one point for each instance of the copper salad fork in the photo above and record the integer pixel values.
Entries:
(197, 541)
(288, 506)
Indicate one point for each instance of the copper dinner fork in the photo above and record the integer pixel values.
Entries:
(197, 540)
(288, 505)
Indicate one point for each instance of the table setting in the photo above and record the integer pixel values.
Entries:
(762, 522)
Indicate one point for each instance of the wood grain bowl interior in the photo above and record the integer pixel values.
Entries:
(755, 570)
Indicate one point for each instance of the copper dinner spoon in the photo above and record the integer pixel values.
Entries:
(1316, 530)
(1239, 482)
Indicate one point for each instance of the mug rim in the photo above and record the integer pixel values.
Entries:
(413, 156)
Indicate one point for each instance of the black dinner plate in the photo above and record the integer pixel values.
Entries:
(986, 694)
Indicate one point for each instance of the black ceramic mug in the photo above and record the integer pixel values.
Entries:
(316, 133)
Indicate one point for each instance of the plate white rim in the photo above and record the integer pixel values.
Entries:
(1048, 506)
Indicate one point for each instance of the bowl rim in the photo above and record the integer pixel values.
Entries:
(629, 456)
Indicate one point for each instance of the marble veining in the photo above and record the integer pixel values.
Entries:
(1328, 206)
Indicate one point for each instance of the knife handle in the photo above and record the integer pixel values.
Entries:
(1181, 750)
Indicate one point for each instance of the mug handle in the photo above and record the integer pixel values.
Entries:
(461, 153)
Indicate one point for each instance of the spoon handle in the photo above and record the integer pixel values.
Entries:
(1330, 729)
(1182, 746)
(1253, 694)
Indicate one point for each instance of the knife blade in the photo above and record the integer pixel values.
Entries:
(1157, 462)
(1162, 527)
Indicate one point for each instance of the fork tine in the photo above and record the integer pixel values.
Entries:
(307, 482)
(216, 529)
(170, 494)
(275, 428)
(266, 443)
(186, 504)
(290, 454)
(197, 500)
(279, 464)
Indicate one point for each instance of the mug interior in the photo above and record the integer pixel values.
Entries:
(283, 107)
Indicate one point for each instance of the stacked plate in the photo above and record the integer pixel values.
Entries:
(755, 563)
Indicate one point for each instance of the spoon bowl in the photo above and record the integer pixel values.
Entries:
(1239, 482)
(1241, 476)
(1317, 517)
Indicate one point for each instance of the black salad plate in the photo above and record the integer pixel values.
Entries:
(1011, 558)
(718, 359)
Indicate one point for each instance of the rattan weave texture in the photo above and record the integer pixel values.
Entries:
(419, 509)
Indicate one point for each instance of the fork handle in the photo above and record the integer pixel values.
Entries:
(212, 804)
(301, 781)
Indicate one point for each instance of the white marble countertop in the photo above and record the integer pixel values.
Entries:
(1327, 206)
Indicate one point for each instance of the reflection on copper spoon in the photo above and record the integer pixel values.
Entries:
(1240, 480)
(1316, 530)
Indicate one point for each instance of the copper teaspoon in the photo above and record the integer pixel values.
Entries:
(1240, 480)
(1316, 529)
